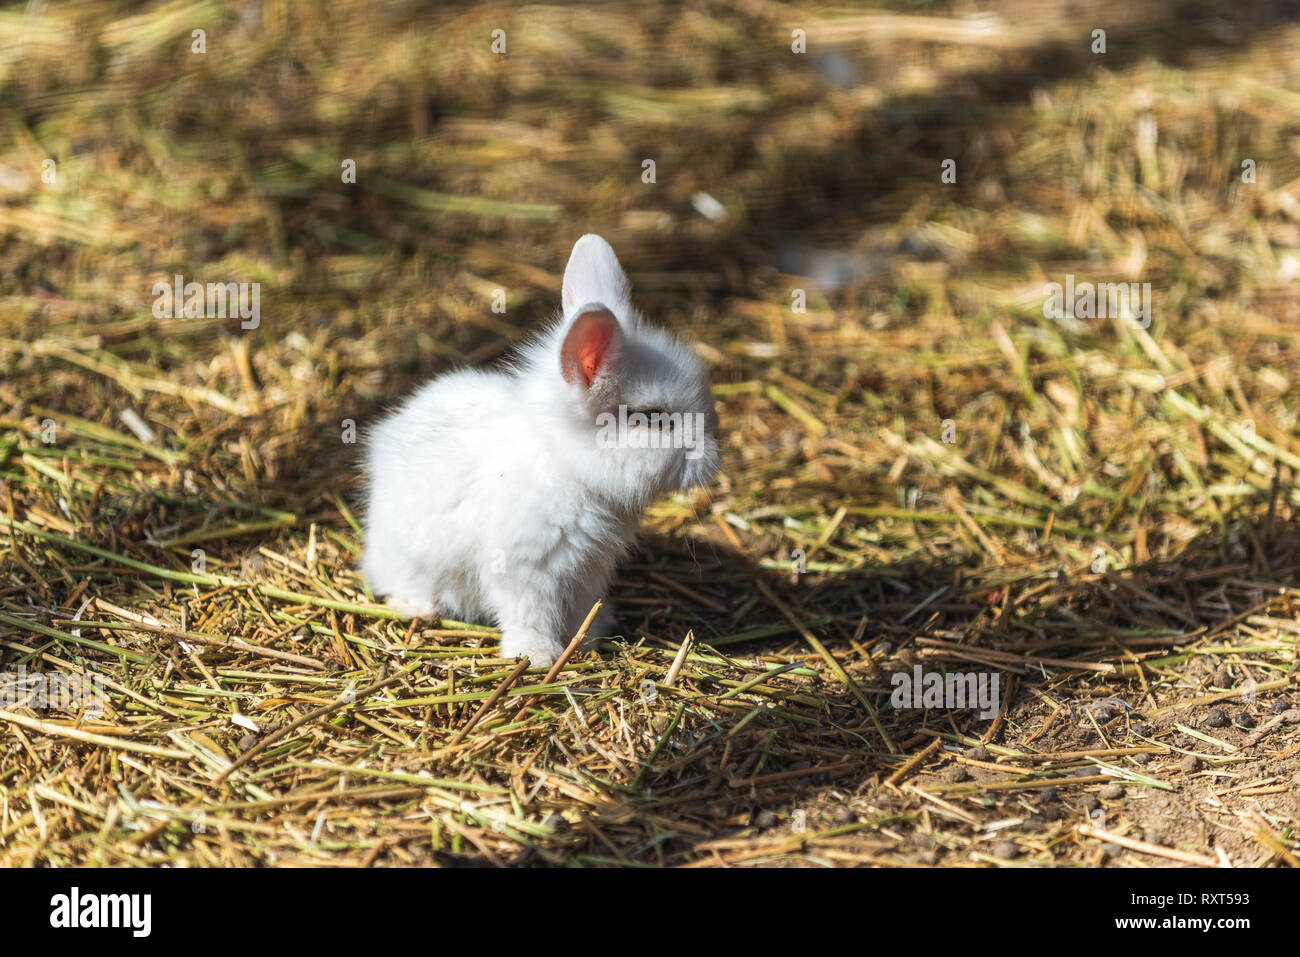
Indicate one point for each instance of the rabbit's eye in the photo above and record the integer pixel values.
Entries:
(655, 417)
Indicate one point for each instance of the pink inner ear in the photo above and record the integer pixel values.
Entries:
(589, 346)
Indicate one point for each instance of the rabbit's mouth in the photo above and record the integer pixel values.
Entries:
(701, 465)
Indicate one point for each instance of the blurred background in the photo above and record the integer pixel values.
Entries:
(773, 171)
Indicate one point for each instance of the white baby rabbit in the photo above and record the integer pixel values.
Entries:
(508, 496)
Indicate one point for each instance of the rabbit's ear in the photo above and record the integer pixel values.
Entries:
(592, 348)
(594, 275)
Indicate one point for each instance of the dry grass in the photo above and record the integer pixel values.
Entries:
(1112, 528)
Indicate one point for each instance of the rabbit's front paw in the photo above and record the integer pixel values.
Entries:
(541, 650)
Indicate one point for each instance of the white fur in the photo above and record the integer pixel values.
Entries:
(489, 498)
